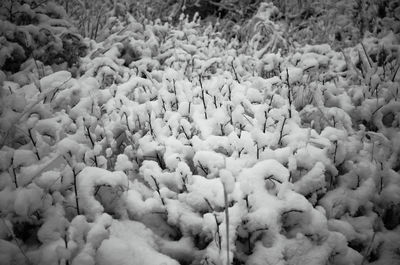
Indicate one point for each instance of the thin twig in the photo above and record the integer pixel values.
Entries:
(227, 226)
(234, 72)
(158, 190)
(395, 73)
(368, 249)
(34, 143)
(366, 55)
(289, 92)
(203, 99)
(76, 192)
(281, 132)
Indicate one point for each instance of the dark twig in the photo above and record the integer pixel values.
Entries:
(76, 192)
(281, 132)
(289, 93)
(202, 98)
(158, 190)
(234, 72)
(89, 135)
(34, 144)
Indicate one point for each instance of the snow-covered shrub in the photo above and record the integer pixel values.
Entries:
(173, 145)
(37, 31)
(263, 33)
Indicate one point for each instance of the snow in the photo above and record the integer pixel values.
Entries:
(28, 200)
(123, 163)
(295, 75)
(91, 177)
(54, 80)
(312, 181)
(170, 143)
(54, 226)
(10, 253)
(23, 158)
(227, 179)
(121, 249)
(201, 188)
(208, 160)
(264, 169)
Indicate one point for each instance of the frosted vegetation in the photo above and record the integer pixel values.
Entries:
(199, 132)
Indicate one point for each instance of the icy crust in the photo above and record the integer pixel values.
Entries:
(174, 146)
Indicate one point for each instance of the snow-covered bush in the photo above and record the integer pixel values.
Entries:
(38, 32)
(170, 144)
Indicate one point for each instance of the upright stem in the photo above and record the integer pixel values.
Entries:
(289, 94)
(66, 245)
(158, 190)
(34, 143)
(227, 226)
(281, 132)
(151, 127)
(76, 192)
(14, 173)
(334, 156)
(203, 99)
(89, 135)
(395, 72)
(234, 71)
(176, 97)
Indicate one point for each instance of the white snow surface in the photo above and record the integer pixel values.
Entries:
(171, 145)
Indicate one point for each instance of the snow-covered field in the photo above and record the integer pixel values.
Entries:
(172, 145)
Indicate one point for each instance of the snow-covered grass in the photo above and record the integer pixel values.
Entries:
(172, 145)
